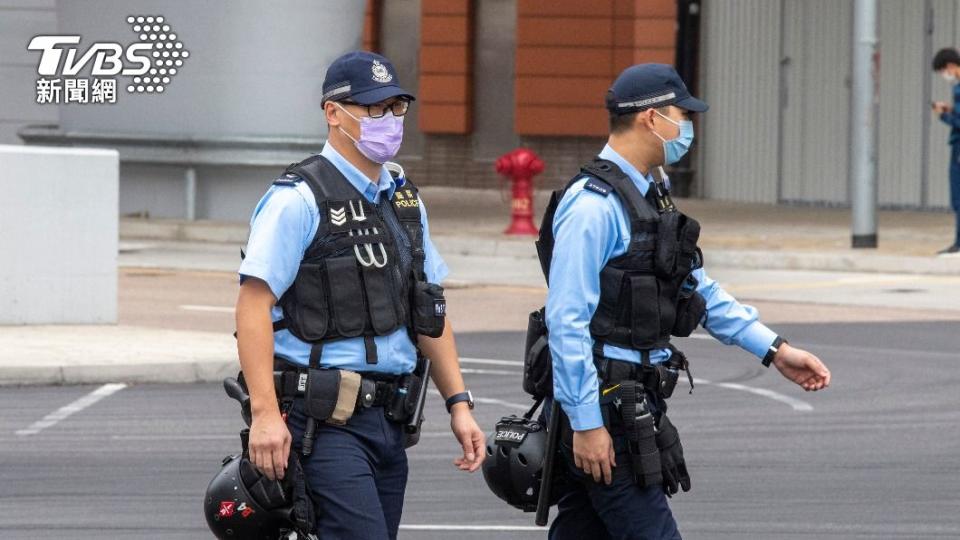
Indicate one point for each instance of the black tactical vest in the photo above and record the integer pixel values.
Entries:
(362, 275)
(648, 293)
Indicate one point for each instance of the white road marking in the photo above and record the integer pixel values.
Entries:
(472, 528)
(491, 362)
(796, 404)
(209, 309)
(174, 437)
(71, 408)
(423, 434)
(489, 372)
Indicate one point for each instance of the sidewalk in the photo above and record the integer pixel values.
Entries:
(470, 223)
(466, 226)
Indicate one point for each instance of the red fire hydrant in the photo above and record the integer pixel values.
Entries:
(520, 165)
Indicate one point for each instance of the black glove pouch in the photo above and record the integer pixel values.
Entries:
(537, 364)
(430, 309)
(675, 473)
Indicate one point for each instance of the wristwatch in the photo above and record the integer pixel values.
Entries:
(457, 398)
(773, 350)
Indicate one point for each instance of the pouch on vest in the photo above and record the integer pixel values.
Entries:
(331, 395)
(347, 298)
(689, 314)
(689, 235)
(612, 281)
(668, 245)
(537, 362)
(691, 308)
(645, 308)
(383, 315)
(429, 309)
(311, 318)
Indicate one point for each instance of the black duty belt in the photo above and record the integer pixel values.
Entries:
(612, 371)
(376, 389)
(658, 378)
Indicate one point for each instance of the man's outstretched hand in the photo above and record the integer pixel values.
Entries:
(802, 368)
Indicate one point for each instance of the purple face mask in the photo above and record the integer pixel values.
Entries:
(380, 138)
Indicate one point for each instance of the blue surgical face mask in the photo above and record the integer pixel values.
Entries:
(674, 149)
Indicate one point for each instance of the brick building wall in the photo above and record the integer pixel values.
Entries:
(565, 55)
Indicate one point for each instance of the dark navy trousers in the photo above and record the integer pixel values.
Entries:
(356, 474)
(620, 511)
(955, 187)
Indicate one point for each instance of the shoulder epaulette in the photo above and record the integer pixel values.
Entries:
(598, 186)
(288, 180)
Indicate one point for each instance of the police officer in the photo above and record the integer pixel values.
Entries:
(612, 304)
(332, 282)
(947, 63)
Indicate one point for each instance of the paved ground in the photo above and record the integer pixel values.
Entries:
(470, 222)
(873, 458)
(484, 214)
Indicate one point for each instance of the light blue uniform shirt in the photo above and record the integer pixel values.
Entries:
(283, 226)
(589, 230)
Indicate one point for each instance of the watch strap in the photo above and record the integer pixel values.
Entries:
(457, 398)
(773, 350)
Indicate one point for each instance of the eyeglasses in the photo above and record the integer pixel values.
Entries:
(377, 110)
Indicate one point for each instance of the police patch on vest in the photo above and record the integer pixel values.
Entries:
(406, 199)
(349, 214)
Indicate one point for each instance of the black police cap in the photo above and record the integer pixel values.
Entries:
(362, 77)
(644, 86)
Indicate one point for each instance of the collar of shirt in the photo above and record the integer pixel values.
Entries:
(357, 179)
(642, 182)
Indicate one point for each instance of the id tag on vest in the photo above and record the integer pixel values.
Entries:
(302, 383)
(440, 307)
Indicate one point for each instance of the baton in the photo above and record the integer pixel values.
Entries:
(413, 425)
(546, 480)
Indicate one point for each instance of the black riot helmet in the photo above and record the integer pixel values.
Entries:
(515, 454)
(242, 504)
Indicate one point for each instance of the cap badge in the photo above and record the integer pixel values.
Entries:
(380, 73)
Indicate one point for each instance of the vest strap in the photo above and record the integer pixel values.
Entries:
(316, 351)
(370, 348)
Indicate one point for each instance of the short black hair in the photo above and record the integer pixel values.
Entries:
(944, 57)
(622, 122)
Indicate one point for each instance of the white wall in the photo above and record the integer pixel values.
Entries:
(58, 235)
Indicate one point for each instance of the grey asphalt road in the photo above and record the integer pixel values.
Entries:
(874, 456)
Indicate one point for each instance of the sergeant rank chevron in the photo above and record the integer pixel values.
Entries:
(338, 217)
